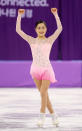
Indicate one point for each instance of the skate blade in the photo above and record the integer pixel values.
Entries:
(56, 123)
(40, 124)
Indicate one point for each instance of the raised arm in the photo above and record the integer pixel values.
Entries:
(26, 37)
(59, 29)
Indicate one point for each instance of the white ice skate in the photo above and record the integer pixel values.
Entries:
(55, 120)
(41, 120)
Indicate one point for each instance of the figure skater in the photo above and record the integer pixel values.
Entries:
(41, 69)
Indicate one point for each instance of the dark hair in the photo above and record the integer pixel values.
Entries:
(40, 21)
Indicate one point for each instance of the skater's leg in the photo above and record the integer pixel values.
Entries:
(38, 85)
(43, 91)
(49, 105)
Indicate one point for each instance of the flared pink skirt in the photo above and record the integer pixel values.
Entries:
(43, 73)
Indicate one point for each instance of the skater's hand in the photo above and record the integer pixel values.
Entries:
(21, 11)
(54, 10)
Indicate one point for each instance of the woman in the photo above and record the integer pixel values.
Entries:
(41, 69)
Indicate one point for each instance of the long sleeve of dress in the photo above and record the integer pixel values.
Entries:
(26, 37)
(54, 36)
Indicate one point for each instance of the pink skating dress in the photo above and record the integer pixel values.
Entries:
(41, 67)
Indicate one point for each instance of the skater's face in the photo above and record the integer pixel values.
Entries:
(41, 29)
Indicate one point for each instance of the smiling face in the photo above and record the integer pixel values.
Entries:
(41, 29)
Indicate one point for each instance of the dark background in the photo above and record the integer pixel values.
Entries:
(68, 46)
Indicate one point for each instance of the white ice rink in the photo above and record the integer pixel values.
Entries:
(20, 107)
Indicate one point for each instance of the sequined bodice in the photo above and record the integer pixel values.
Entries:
(41, 52)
